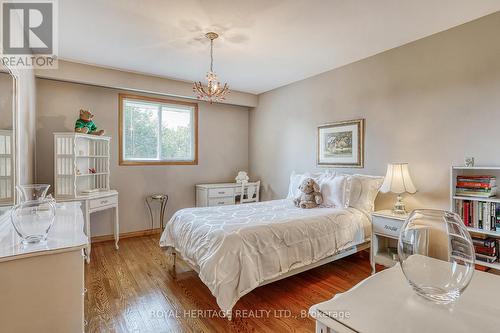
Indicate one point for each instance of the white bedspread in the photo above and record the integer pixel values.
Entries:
(236, 248)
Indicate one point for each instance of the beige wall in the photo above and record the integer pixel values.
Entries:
(429, 103)
(223, 150)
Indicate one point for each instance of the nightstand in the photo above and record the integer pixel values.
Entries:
(385, 233)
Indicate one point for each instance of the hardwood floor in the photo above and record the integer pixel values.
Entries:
(135, 290)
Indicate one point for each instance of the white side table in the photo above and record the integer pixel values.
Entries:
(385, 302)
(385, 230)
(96, 203)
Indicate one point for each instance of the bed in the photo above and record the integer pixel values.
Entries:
(238, 248)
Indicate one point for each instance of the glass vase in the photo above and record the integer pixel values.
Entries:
(33, 219)
(32, 191)
(436, 254)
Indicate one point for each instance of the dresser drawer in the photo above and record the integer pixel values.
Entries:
(220, 201)
(386, 226)
(221, 192)
(101, 202)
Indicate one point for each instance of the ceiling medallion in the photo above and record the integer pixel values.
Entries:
(214, 91)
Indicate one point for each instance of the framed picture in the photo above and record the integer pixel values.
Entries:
(341, 144)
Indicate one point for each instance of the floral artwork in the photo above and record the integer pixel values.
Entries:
(341, 144)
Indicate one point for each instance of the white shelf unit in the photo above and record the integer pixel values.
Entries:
(480, 170)
(6, 168)
(74, 155)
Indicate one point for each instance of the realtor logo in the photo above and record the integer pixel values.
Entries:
(28, 33)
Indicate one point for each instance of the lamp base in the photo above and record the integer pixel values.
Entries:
(399, 206)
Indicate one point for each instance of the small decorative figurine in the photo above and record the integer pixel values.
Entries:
(242, 177)
(310, 196)
(469, 161)
(92, 170)
(86, 125)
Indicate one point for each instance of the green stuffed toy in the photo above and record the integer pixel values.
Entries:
(86, 125)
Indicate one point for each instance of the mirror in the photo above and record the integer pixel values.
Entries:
(7, 137)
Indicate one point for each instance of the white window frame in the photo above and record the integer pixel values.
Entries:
(159, 102)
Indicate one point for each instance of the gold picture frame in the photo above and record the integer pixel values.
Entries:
(341, 144)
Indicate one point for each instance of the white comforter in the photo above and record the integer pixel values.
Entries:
(235, 248)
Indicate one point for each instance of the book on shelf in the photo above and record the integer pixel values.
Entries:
(479, 215)
(476, 178)
(486, 258)
(484, 242)
(490, 251)
(477, 186)
(482, 268)
(473, 185)
(487, 249)
(476, 193)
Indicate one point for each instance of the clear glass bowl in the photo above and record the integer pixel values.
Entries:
(436, 254)
(33, 219)
(32, 191)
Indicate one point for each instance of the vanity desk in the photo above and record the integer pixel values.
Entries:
(223, 194)
(42, 285)
(95, 203)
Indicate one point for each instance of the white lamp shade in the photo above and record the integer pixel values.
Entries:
(397, 179)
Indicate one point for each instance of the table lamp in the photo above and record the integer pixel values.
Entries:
(397, 180)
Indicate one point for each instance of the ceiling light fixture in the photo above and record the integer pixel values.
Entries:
(214, 91)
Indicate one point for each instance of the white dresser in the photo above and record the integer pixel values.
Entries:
(209, 195)
(42, 285)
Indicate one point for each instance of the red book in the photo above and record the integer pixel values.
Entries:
(473, 185)
(466, 213)
(485, 250)
(482, 268)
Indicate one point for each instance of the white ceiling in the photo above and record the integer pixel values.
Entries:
(264, 44)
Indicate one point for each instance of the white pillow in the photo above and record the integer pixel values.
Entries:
(362, 191)
(293, 187)
(296, 180)
(334, 191)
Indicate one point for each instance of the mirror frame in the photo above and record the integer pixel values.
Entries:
(15, 131)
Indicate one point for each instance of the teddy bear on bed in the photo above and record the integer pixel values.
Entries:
(85, 124)
(310, 196)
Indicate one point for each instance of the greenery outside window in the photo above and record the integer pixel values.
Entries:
(157, 131)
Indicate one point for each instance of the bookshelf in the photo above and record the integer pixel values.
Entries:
(475, 171)
(74, 155)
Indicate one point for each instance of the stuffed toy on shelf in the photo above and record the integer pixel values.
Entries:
(85, 124)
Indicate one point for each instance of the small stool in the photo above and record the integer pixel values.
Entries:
(162, 199)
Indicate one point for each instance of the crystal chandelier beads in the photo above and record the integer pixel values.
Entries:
(214, 91)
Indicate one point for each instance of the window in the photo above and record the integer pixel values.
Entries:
(157, 131)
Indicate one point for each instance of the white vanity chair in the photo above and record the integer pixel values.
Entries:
(249, 192)
(42, 285)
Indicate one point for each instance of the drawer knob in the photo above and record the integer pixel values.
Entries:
(221, 192)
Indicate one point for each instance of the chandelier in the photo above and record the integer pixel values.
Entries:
(214, 91)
